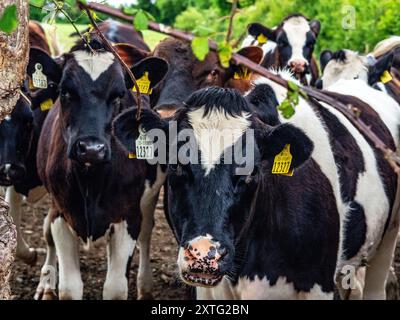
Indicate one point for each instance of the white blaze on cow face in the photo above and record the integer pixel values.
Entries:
(94, 64)
(296, 30)
(7, 118)
(353, 67)
(216, 132)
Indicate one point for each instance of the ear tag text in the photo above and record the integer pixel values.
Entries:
(143, 84)
(39, 80)
(144, 146)
(244, 74)
(282, 162)
(46, 105)
(262, 39)
(386, 77)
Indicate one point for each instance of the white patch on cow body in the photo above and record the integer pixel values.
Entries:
(268, 47)
(7, 167)
(94, 64)
(386, 107)
(296, 30)
(215, 133)
(120, 248)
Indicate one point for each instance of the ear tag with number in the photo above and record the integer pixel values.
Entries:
(282, 162)
(39, 80)
(143, 84)
(386, 77)
(144, 146)
(262, 39)
(46, 105)
(244, 74)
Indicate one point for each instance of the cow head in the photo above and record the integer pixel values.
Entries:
(211, 196)
(187, 74)
(349, 65)
(94, 88)
(295, 38)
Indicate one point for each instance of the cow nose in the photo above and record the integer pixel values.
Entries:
(166, 110)
(11, 173)
(90, 151)
(297, 66)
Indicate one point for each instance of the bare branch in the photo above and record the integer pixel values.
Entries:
(231, 18)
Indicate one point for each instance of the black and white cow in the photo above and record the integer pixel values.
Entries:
(260, 235)
(96, 189)
(291, 45)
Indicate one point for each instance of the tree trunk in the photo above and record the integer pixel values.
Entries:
(14, 51)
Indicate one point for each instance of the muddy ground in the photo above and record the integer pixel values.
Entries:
(167, 285)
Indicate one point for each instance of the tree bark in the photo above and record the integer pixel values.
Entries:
(14, 51)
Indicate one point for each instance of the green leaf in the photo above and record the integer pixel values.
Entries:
(9, 20)
(130, 11)
(37, 3)
(225, 54)
(292, 86)
(141, 22)
(200, 47)
(201, 31)
(287, 109)
(149, 16)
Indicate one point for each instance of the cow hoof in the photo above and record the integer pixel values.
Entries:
(29, 258)
(47, 294)
(145, 296)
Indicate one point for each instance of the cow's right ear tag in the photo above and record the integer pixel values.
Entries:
(262, 39)
(282, 162)
(386, 77)
(39, 80)
(46, 105)
(144, 146)
(143, 84)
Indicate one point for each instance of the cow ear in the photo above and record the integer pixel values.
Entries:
(130, 54)
(38, 58)
(126, 126)
(274, 141)
(154, 68)
(324, 58)
(376, 71)
(252, 53)
(257, 29)
(315, 27)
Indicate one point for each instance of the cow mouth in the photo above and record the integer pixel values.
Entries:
(201, 279)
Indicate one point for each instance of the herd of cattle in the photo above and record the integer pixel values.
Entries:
(259, 235)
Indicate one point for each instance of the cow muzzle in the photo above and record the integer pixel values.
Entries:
(201, 262)
(11, 174)
(90, 151)
(298, 66)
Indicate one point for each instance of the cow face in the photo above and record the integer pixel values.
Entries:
(295, 38)
(16, 132)
(210, 196)
(93, 90)
(187, 74)
(349, 65)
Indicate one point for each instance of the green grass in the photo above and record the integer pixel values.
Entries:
(66, 41)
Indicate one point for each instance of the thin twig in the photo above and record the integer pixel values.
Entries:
(115, 53)
(231, 17)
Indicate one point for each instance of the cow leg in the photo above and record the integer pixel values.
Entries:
(148, 204)
(379, 266)
(26, 254)
(120, 249)
(46, 289)
(67, 247)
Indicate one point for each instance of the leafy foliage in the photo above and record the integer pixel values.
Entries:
(9, 19)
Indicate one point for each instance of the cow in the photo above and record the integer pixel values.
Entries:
(188, 74)
(20, 133)
(97, 190)
(291, 45)
(249, 229)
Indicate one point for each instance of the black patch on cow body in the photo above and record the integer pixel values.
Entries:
(263, 98)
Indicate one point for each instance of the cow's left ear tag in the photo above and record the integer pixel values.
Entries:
(262, 39)
(244, 74)
(282, 162)
(386, 77)
(39, 80)
(144, 146)
(143, 84)
(46, 105)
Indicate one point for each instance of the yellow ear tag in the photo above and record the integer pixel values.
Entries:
(39, 80)
(143, 84)
(262, 39)
(46, 105)
(243, 75)
(386, 77)
(282, 162)
(131, 155)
